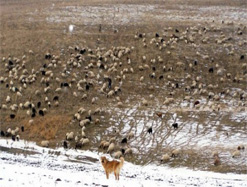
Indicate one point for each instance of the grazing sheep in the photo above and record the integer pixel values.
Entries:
(8, 99)
(130, 135)
(236, 154)
(70, 136)
(102, 143)
(113, 139)
(2, 133)
(83, 134)
(65, 144)
(17, 137)
(84, 122)
(45, 143)
(78, 145)
(144, 102)
(175, 153)
(84, 141)
(150, 130)
(111, 148)
(117, 154)
(175, 125)
(124, 140)
(128, 151)
(165, 158)
(22, 128)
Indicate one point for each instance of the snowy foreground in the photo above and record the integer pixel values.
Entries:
(26, 164)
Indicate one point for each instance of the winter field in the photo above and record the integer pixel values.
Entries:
(30, 165)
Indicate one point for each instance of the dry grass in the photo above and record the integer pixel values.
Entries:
(46, 128)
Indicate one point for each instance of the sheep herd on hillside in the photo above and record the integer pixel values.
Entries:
(88, 75)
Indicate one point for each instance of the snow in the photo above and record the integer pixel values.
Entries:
(31, 165)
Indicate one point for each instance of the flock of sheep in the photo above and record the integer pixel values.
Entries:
(94, 77)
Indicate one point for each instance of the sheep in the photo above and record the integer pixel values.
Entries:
(117, 154)
(128, 151)
(175, 153)
(84, 122)
(110, 93)
(111, 148)
(45, 143)
(236, 154)
(130, 135)
(17, 137)
(175, 125)
(150, 130)
(124, 140)
(8, 99)
(144, 102)
(83, 134)
(69, 136)
(165, 158)
(84, 141)
(113, 139)
(102, 143)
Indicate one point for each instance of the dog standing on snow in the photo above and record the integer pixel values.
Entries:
(112, 166)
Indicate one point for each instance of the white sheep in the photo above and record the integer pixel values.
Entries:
(45, 143)
(165, 158)
(117, 154)
(8, 99)
(70, 136)
(111, 148)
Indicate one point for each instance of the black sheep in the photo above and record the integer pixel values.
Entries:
(211, 70)
(13, 137)
(55, 98)
(124, 140)
(2, 133)
(33, 115)
(82, 51)
(65, 144)
(34, 110)
(22, 128)
(78, 145)
(12, 116)
(48, 56)
(175, 125)
(87, 87)
(242, 57)
(140, 35)
(123, 151)
(196, 103)
(109, 83)
(161, 77)
(150, 130)
(176, 30)
(89, 118)
(39, 104)
(157, 35)
(41, 112)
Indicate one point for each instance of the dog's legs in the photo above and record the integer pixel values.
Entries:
(115, 175)
(107, 175)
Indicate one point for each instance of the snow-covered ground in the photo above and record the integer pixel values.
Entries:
(26, 164)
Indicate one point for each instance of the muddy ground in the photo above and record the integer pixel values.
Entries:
(217, 37)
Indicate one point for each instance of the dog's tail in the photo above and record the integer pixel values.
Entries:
(121, 161)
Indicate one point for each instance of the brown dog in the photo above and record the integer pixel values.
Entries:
(112, 166)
